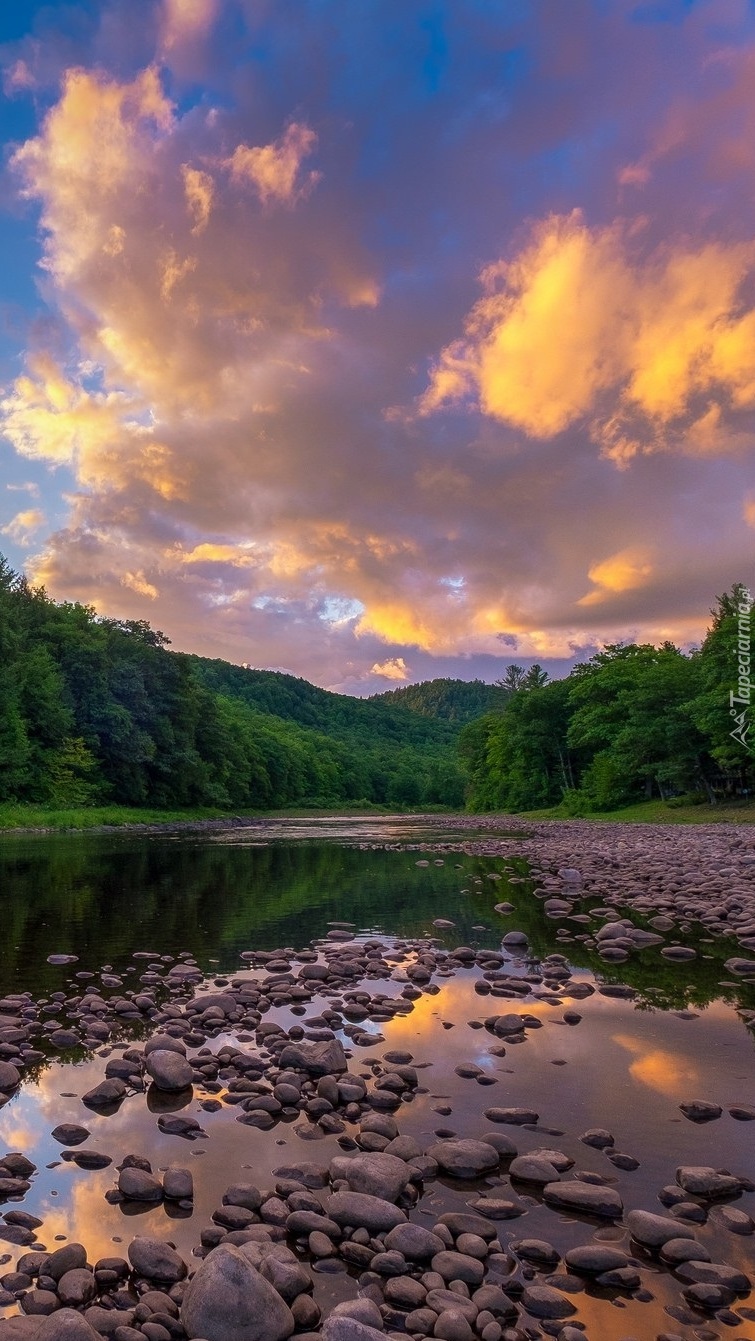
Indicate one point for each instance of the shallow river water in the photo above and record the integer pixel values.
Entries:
(626, 1066)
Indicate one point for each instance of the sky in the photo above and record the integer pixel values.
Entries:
(376, 340)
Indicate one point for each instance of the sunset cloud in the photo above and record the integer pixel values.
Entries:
(621, 572)
(650, 350)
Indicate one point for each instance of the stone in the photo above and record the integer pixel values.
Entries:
(597, 1137)
(362, 1310)
(108, 1093)
(453, 1326)
(652, 1231)
(339, 1327)
(464, 1159)
(414, 1241)
(593, 1258)
(72, 1257)
(379, 1175)
(701, 1181)
(589, 1198)
(533, 1169)
(317, 1059)
(178, 1184)
(229, 1300)
(458, 1266)
(137, 1185)
(517, 1117)
(169, 1070)
(714, 1273)
(544, 1302)
(699, 1111)
(156, 1261)
(10, 1077)
(77, 1287)
(66, 1325)
(358, 1208)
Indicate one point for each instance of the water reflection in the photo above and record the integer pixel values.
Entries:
(626, 1066)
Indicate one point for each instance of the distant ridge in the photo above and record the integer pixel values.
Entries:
(447, 700)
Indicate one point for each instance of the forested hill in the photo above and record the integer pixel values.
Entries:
(99, 710)
(297, 700)
(456, 701)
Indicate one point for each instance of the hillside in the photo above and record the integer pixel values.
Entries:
(97, 711)
(457, 701)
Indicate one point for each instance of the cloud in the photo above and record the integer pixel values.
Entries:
(183, 21)
(649, 351)
(21, 527)
(395, 668)
(137, 582)
(28, 487)
(625, 571)
(273, 168)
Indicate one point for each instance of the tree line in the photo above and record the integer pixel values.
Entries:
(635, 721)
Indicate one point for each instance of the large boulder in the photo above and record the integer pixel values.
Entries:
(228, 1300)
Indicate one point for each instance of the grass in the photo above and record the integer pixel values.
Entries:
(20, 815)
(25, 816)
(662, 812)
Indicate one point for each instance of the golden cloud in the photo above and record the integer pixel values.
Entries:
(665, 1072)
(576, 321)
(625, 571)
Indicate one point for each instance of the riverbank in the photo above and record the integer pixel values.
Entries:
(39, 819)
(20, 818)
(660, 812)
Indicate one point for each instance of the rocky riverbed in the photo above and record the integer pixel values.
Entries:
(394, 1129)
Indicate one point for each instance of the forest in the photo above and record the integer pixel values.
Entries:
(633, 722)
(96, 711)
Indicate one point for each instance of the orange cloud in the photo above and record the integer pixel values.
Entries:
(625, 571)
(665, 1072)
(576, 322)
